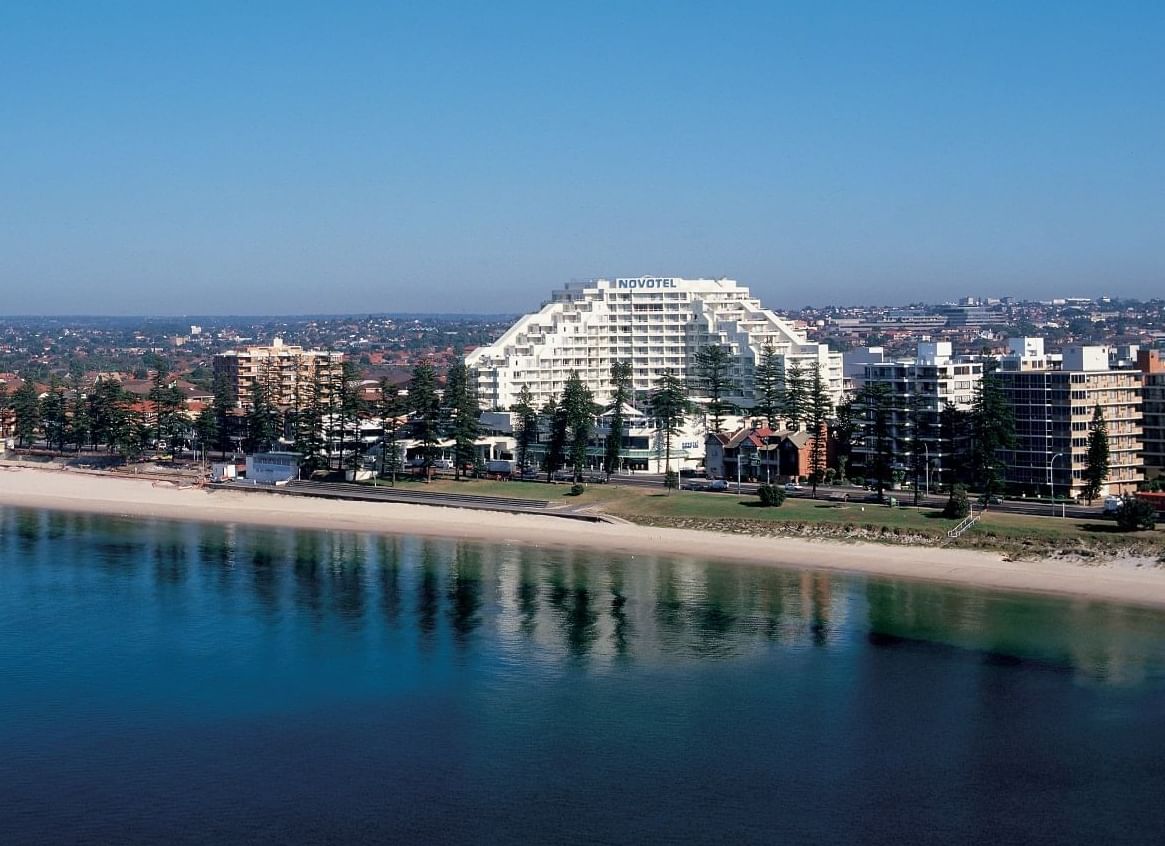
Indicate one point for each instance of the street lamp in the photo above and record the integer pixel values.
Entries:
(1051, 481)
(926, 451)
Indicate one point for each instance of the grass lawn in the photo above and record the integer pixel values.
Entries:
(692, 508)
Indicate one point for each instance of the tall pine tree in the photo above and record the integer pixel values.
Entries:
(767, 381)
(462, 415)
(613, 454)
(525, 427)
(714, 380)
(578, 404)
(819, 407)
(425, 406)
(992, 428)
(1097, 467)
(669, 406)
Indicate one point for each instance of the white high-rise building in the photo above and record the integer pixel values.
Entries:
(656, 323)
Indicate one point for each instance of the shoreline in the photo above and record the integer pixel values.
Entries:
(71, 490)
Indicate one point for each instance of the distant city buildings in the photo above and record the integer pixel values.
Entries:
(658, 324)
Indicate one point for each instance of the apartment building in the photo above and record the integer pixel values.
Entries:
(1053, 398)
(1151, 363)
(919, 389)
(656, 323)
(289, 372)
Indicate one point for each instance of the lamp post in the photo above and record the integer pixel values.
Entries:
(1052, 482)
(926, 451)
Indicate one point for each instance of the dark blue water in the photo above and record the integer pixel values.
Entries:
(183, 683)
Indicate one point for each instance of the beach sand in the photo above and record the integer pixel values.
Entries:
(77, 491)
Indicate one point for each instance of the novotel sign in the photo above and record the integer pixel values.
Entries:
(646, 282)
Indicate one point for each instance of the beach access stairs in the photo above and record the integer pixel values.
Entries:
(966, 523)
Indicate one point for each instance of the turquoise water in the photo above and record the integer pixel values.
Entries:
(166, 682)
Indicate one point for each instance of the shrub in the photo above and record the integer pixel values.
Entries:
(771, 496)
(958, 503)
(577, 490)
(1135, 514)
(671, 479)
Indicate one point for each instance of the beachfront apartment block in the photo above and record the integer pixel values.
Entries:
(289, 373)
(1053, 398)
(918, 389)
(658, 324)
(1152, 367)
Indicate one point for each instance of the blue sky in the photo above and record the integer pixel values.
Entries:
(171, 158)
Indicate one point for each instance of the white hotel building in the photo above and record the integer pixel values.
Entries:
(656, 323)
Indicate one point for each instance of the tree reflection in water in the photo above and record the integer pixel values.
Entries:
(587, 607)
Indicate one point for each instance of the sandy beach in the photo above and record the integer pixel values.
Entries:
(77, 491)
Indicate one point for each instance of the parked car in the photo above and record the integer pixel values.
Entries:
(790, 487)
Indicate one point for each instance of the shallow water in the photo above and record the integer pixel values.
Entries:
(168, 682)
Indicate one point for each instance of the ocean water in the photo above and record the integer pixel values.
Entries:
(168, 682)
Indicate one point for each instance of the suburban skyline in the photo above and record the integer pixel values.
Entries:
(303, 159)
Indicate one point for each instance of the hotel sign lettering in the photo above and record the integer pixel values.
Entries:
(646, 282)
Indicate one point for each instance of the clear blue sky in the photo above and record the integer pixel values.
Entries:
(246, 157)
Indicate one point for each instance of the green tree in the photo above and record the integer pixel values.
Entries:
(669, 406)
(952, 445)
(26, 406)
(462, 415)
(106, 413)
(958, 503)
(771, 496)
(526, 426)
(1096, 467)
(54, 418)
(714, 381)
(920, 427)
(578, 404)
(425, 407)
(1136, 514)
(349, 408)
(613, 454)
(874, 403)
(262, 419)
(307, 425)
(206, 429)
(992, 427)
(223, 404)
(167, 400)
(392, 408)
(558, 424)
(846, 430)
(5, 401)
(79, 423)
(767, 379)
(132, 435)
(794, 394)
(819, 407)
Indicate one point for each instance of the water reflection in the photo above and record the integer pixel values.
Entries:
(585, 608)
